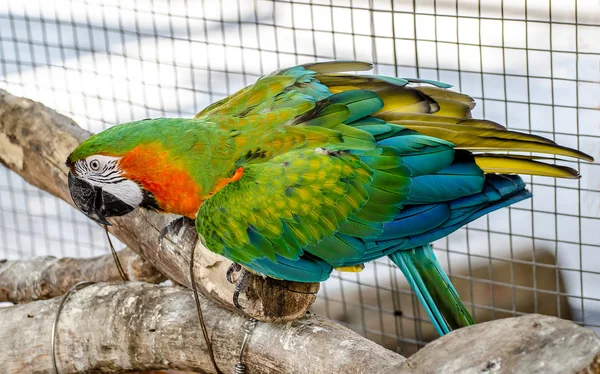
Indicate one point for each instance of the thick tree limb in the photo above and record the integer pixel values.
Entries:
(529, 344)
(35, 142)
(47, 277)
(131, 326)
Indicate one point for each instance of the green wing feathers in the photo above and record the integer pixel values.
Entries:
(282, 206)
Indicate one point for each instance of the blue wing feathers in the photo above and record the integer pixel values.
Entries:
(306, 269)
(418, 225)
(415, 220)
(454, 181)
(445, 230)
(360, 102)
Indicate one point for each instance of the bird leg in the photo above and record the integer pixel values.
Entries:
(240, 286)
(174, 227)
(240, 283)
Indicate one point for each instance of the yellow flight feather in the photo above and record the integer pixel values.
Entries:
(478, 139)
(519, 165)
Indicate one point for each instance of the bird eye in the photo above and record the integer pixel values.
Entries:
(95, 165)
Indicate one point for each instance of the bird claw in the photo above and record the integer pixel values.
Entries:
(233, 268)
(240, 286)
(173, 228)
(240, 283)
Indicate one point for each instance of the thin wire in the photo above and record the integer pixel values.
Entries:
(249, 326)
(199, 309)
(115, 256)
(74, 288)
(579, 181)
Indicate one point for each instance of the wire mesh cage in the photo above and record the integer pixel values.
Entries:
(531, 65)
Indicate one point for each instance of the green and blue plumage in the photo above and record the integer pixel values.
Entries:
(342, 169)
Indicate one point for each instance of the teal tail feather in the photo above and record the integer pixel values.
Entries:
(433, 288)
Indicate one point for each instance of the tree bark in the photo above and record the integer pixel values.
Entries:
(121, 327)
(47, 277)
(528, 344)
(35, 142)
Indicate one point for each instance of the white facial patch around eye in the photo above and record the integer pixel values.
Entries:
(96, 165)
(108, 177)
(100, 164)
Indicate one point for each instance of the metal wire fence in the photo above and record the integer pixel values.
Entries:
(531, 65)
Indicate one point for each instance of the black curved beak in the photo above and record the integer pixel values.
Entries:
(94, 202)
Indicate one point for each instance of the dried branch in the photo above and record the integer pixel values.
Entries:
(47, 277)
(529, 344)
(122, 327)
(35, 142)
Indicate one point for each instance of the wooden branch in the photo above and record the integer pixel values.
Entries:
(47, 277)
(529, 344)
(35, 142)
(122, 327)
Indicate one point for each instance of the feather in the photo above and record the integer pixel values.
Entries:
(337, 66)
(430, 161)
(390, 182)
(428, 118)
(359, 229)
(433, 288)
(438, 93)
(453, 108)
(333, 247)
(306, 269)
(361, 103)
(415, 220)
(324, 115)
(444, 230)
(429, 81)
(380, 196)
(400, 99)
(491, 163)
(473, 139)
(341, 169)
(455, 181)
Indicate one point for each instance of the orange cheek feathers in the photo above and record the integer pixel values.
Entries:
(173, 188)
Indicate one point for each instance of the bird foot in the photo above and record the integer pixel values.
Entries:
(240, 286)
(233, 268)
(173, 228)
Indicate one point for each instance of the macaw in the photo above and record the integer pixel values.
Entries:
(312, 169)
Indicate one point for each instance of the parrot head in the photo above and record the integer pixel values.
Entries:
(133, 165)
(99, 188)
(100, 183)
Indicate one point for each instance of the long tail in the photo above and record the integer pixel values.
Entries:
(433, 288)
